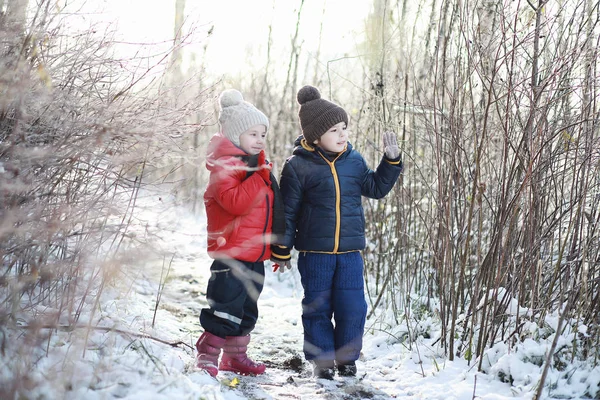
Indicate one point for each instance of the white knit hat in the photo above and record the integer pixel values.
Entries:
(237, 116)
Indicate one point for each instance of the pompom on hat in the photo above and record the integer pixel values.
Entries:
(237, 116)
(317, 115)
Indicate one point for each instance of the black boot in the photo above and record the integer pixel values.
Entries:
(347, 369)
(324, 369)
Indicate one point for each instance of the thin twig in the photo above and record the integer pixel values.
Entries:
(70, 328)
(161, 286)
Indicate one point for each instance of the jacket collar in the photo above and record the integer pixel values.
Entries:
(303, 148)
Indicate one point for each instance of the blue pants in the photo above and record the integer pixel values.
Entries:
(333, 288)
(232, 294)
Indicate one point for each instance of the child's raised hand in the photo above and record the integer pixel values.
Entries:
(390, 145)
(264, 168)
(262, 157)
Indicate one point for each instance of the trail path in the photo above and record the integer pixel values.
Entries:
(118, 365)
(276, 341)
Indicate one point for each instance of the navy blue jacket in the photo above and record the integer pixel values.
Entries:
(322, 197)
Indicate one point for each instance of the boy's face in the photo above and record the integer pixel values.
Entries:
(254, 140)
(335, 139)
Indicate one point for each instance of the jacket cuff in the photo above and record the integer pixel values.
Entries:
(393, 161)
(280, 253)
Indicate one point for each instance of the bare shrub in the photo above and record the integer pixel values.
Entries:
(497, 107)
(82, 130)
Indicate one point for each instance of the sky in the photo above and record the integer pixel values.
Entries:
(125, 365)
(239, 28)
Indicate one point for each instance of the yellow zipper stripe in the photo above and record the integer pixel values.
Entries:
(338, 195)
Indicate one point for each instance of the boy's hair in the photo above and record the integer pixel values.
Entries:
(237, 116)
(317, 115)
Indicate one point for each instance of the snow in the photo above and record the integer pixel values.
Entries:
(132, 359)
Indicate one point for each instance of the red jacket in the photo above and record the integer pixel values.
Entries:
(239, 207)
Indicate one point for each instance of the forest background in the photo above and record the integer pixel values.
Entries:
(492, 229)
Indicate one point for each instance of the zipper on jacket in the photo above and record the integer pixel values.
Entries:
(265, 227)
(338, 201)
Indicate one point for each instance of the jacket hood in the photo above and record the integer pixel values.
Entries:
(219, 147)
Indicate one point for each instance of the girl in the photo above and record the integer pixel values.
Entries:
(244, 210)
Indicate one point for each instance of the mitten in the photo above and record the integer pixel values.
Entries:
(281, 266)
(264, 168)
(281, 258)
(390, 145)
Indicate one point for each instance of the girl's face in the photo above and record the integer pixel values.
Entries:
(335, 139)
(254, 140)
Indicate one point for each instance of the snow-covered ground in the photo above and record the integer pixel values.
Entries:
(137, 360)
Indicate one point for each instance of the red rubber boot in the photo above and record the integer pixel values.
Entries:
(209, 348)
(235, 358)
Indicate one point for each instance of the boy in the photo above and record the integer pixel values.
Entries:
(321, 185)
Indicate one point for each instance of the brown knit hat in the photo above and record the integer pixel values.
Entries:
(317, 115)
